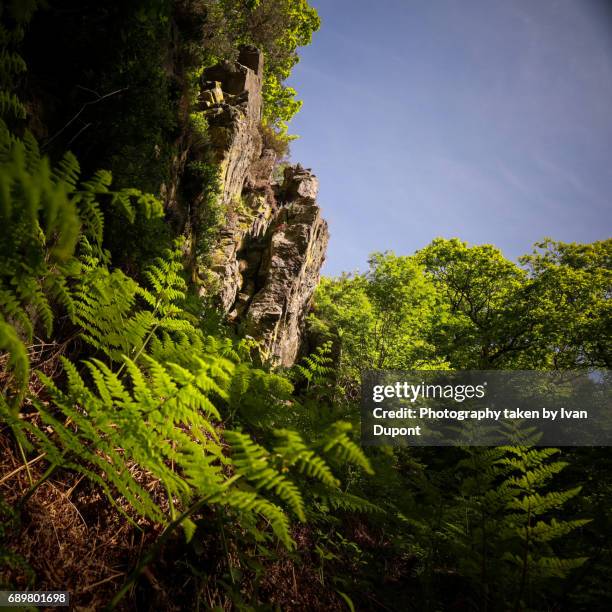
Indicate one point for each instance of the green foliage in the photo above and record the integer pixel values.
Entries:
(277, 27)
(276, 140)
(140, 422)
(44, 211)
(488, 302)
(207, 213)
(254, 463)
(180, 429)
(12, 65)
(380, 319)
(497, 527)
(316, 367)
(549, 315)
(505, 524)
(280, 105)
(296, 453)
(10, 105)
(339, 444)
(572, 284)
(147, 415)
(158, 414)
(469, 307)
(102, 298)
(41, 224)
(10, 561)
(21, 11)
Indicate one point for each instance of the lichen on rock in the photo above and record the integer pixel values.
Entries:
(270, 251)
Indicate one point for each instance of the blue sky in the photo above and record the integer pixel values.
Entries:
(490, 120)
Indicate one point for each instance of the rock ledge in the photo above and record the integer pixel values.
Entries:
(273, 245)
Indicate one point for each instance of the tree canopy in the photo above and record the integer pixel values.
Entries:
(460, 306)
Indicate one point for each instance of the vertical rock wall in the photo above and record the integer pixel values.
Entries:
(273, 243)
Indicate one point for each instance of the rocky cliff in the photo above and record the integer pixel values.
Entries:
(273, 243)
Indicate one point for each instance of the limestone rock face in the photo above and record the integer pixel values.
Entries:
(273, 244)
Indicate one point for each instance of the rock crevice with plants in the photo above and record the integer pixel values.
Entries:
(271, 246)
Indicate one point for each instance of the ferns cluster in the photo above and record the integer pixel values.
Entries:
(147, 415)
(12, 66)
(504, 523)
(44, 213)
(40, 230)
(316, 368)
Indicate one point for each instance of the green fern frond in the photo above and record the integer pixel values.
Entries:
(340, 500)
(317, 367)
(10, 106)
(67, 171)
(11, 64)
(16, 354)
(250, 502)
(253, 462)
(338, 443)
(295, 452)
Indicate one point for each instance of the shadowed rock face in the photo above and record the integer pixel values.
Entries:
(273, 244)
(288, 274)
